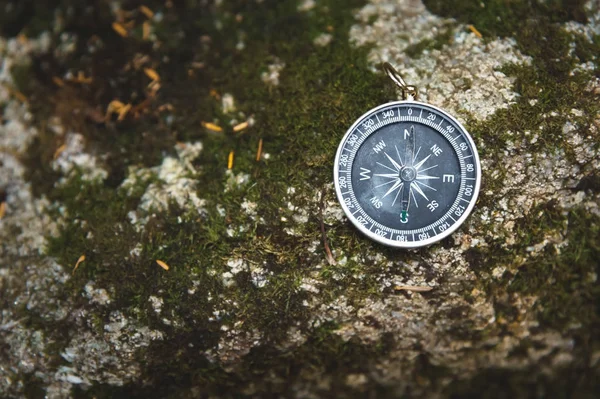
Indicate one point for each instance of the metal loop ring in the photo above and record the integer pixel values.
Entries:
(407, 90)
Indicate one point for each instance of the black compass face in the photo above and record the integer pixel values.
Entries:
(407, 174)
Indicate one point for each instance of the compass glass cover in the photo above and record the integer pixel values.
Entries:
(407, 174)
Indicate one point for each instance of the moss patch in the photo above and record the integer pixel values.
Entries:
(321, 92)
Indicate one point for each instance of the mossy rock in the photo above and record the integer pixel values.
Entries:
(203, 260)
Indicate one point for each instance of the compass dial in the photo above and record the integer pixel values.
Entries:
(407, 174)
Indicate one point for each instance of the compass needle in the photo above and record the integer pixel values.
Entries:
(409, 149)
(407, 174)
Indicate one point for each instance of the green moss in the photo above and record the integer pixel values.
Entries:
(298, 132)
(499, 18)
(321, 92)
(566, 284)
(549, 89)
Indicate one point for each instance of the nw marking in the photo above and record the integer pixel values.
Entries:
(379, 147)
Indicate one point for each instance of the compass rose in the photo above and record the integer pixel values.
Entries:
(408, 174)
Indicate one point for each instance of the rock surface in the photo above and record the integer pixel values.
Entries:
(169, 226)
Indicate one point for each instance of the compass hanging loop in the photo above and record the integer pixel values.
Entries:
(408, 91)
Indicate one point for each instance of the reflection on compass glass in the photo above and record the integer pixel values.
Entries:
(407, 174)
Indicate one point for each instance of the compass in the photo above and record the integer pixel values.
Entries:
(407, 173)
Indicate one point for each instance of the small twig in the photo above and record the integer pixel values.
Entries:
(414, 288)
(330, 258)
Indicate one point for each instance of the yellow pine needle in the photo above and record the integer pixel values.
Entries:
(162, 264)
(230, 161)
(59, 151)
(2, 209)
(58, 81)
(147, 12)
(123, 112)
(151, 73)
(212, 126)
(120, 29)
(259, 151)
(81, 259)
(475, 31)
(145, 30)
(240, 127)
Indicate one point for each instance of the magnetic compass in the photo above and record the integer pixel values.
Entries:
(407, 174)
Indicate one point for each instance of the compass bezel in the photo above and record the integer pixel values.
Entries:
(388, 241)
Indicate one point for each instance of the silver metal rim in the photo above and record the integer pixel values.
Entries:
(400, 244)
